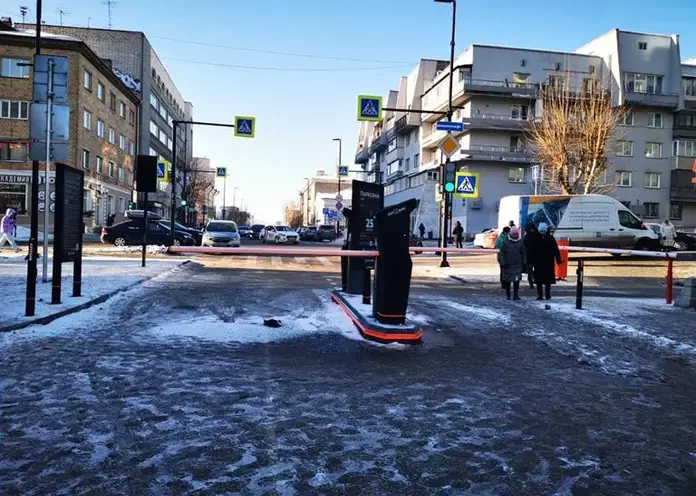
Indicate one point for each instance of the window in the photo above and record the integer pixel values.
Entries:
(122, 142)
(13, 195)
(131, 147)
(14, 68)
(516, 175)
(131, 117)
(87, 120)
(689, 86)
(393, 168)
(85, 159)
(100, 128)
(112, 101)
(100, 164)
(519, 112)
(654, 119)
(626, 119)
(685, 120)
(653, 150)
(121, 205)
(432, 175)
(87, 80)
(652, 180)
(163, 137)
(675, 211)
(623, 179)
(407, 164)
(170, 146)
(416, 160)
(652, 210)
(12, 109)
(624, 148)
(13, 152)
(163, 112)
(642, 83)
(556, 80)
(520, 79)
(642, 45)
(100, 92)
(684, 148)
(627, 219)
(112, 168)
(154, 129)
(153, 152)
(122, 109)
(154, 101)
(170, 121)
(121, 175)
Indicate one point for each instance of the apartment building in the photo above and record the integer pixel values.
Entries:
(103, 118)
(495, 95)
(136, 63)
(314, 193)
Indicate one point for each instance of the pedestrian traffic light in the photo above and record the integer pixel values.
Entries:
(183, 203)
(450, 173)
(131, 205)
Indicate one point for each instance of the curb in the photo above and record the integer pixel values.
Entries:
(78, 308)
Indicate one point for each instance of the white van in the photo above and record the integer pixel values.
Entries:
(587, 220)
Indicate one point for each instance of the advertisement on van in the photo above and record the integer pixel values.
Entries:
(560, 212)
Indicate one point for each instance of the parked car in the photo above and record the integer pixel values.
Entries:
(138, 214)
(486, 239)
(196, 234)
(243, 231)
(130, 232)
(279, 234)
(308, 233)
(325, 232)
(255, 231)
(221, 233)
(685, 241)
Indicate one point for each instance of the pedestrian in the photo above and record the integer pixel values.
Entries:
(544, 255)
(512, 262)
(8, 225)
(458, 235)
(531, 239)
(421, 230)
(498, 245)
(669, 234)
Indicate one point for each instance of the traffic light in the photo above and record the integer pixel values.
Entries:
(131, 205)
(183, 203)
(450, 173)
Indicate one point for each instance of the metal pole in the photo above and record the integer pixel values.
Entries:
(224, 197)
(669, 280)
(145, 231)
(38, 27)
(184, 194)
(581, 280)
(49, 118)
(340, 159)
(172, 181)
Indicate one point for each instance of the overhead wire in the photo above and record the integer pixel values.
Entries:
(284, 69)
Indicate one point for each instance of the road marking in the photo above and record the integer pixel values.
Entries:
(276, 261)
(324, 261)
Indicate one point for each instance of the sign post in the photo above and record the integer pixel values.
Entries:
(369, 108)
(147, 173)
(67, 228)
(222, 172)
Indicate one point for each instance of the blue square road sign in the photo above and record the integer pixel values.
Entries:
(466, 185)
(244, 126)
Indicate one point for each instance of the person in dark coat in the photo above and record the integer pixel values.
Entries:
(531, 239)
(421, 230)
(512, 262)
(458, 235)
(544, 255)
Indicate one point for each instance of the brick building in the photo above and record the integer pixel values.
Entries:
(103, 126)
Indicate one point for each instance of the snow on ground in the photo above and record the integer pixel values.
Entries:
(366, 311)
(99, 277)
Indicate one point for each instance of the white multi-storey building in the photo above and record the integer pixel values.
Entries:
(495, 95)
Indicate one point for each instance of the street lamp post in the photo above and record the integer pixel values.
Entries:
(447, 197)
(234, 196)
(338, 173)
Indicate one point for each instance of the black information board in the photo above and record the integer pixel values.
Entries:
(69, 194)
(368, 199)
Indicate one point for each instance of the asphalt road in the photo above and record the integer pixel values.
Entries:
(146, 397)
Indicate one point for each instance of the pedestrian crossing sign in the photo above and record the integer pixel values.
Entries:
(466, 185)
(244, 126)
(163, 168)
(221, 171)
(369, 108)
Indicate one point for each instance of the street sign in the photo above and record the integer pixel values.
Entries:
(449, 145)
(369, 108)
(244, 126)
(60, 131)
(163, 168)
(467, 185)
(342, 170)
(220, 171)
(339, 197)
(339, 206)
(60, 79)
(449, 126)
(326, 211)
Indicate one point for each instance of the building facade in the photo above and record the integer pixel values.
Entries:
(314, 193)
(102, 127)
(138, 66)
(495, 94)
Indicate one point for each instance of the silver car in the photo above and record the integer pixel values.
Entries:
(221, 233)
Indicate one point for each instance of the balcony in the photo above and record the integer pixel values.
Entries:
(394, 175)
(495, 122)
(680, 186)
(395, 154)
(645, 99)
(405, 125)
(379, 143)
(496, 154)
(362, 156)
(505, 89)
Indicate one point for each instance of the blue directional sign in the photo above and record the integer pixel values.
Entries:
(220, 171)
(342, 170)
(244, 126)
(456, 127)
(369, 108)
(326, 211)
(466, 185)
(161, 170)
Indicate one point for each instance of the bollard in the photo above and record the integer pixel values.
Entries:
(669, 281)
(578, 290)
(562, 268)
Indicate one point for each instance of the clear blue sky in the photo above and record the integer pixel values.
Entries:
(299, 112)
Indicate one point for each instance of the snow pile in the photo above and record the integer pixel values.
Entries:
(24, 233)
(151, 249)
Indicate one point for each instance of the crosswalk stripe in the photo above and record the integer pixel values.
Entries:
(276, 261)
(324, 260)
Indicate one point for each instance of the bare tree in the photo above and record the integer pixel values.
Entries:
(293, 215)
(241, 217)
(575, 135)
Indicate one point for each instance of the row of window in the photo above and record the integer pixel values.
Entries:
(655, 119)
(680, 148)
(157, 105)
(12, 109)
(410, 182)
(88, 205)
(652, 180)
(651, 210)
(101, 95)
(127, 145)
(112, 170)
(161, 135)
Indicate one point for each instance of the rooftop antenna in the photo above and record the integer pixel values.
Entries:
(23, 11)
(63, 13)
(110, 4)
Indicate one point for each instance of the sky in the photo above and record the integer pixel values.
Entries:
(347, 47)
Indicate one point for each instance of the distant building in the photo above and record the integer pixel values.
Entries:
(320, 185)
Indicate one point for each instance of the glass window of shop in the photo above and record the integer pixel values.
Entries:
(14, 196)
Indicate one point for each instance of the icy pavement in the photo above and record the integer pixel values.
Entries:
(100, 276)
(176, 387)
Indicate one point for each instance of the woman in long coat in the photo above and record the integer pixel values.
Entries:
(512, 262)
(544, 255)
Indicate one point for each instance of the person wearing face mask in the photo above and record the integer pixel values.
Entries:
(543, 256)
(512, 262)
